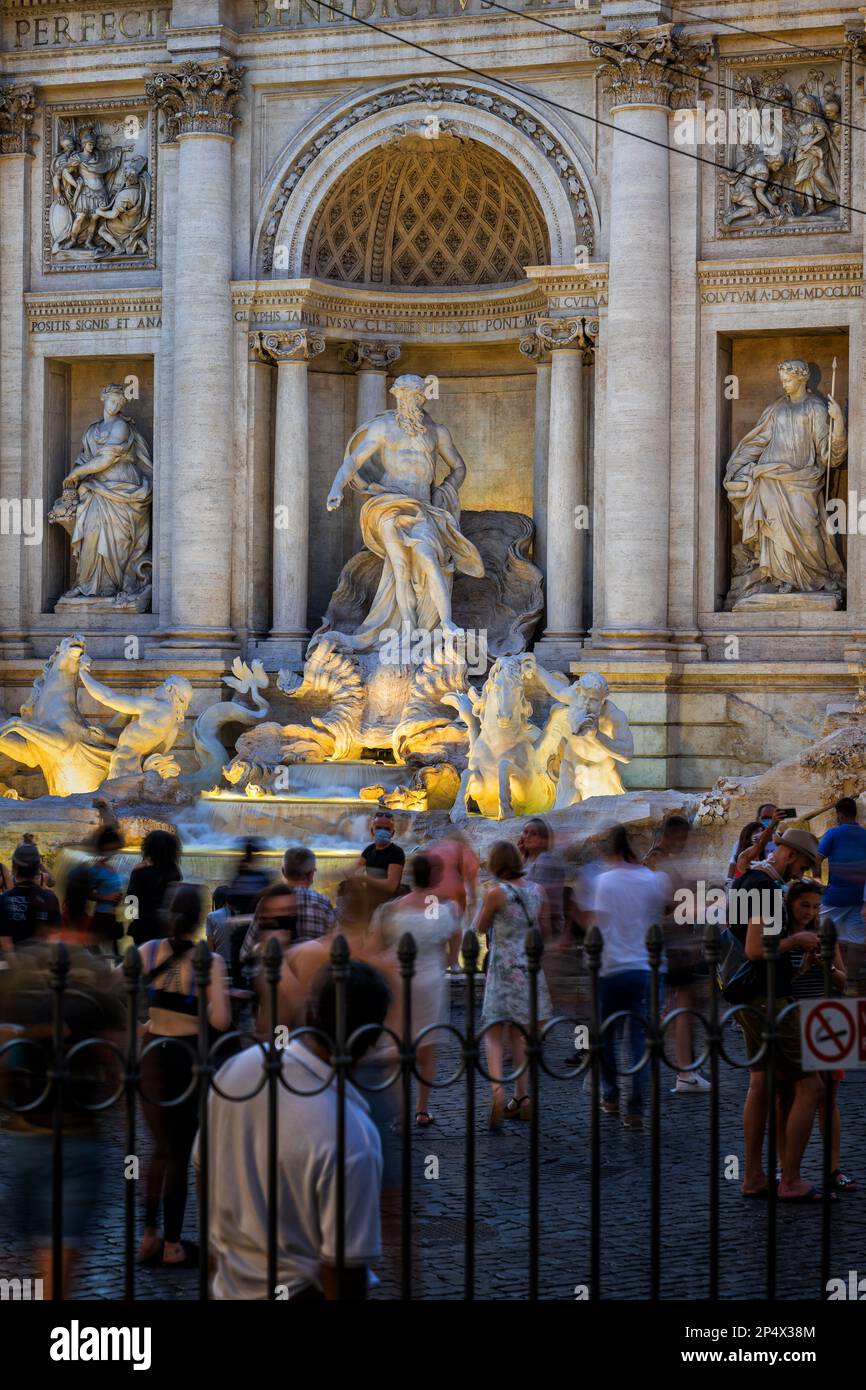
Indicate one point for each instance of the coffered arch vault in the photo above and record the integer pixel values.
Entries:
(538, 189)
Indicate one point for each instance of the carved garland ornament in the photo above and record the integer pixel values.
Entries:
(430, 90)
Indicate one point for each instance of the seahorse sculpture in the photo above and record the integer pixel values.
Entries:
(209, 747)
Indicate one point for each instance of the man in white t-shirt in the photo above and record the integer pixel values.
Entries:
(306, 1159)
(628, 899)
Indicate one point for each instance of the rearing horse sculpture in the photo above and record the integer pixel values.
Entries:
(508, 773)
(50, 734)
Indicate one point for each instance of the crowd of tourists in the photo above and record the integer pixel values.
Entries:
(435, 895)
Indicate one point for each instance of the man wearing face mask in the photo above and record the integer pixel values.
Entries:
(381, 863)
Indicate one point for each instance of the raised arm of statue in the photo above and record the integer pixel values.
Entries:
(620, 742)
(123, 704)
(353, 459)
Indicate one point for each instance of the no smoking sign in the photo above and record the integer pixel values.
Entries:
(833, 1034)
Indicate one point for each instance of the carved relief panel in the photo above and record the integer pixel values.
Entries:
(100, 187)
(784, 151)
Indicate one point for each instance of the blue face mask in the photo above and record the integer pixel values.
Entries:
(382, 835)
(766, 820)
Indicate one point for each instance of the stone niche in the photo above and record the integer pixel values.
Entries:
(486, 398)
(748, 381)
(72, 404)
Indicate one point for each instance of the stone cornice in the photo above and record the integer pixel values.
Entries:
(801, 278)
(651, 67)
(197, 98)
(17, 109)
(348, 312)
(99, 310)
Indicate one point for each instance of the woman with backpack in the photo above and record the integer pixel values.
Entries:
(512, 905)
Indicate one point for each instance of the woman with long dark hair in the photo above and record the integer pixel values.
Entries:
(168, 1046)
(149, 882)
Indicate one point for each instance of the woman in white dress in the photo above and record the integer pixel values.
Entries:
(512, 905)
(434, 925)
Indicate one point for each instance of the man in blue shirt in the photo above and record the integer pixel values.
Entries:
(844, 848)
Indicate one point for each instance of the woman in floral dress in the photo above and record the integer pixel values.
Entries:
(512, 905)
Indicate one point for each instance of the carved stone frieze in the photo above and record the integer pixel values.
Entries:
(99, 193)
(784, 159)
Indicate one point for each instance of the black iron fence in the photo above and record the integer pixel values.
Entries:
(206, 1059)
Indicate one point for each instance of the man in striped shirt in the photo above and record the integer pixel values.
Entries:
(314, 914)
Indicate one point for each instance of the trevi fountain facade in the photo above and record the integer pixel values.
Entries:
(471, 426)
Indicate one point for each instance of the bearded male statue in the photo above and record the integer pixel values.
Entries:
(408, 520)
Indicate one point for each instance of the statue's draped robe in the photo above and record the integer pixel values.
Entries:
(112, 519)
(775, 480)
(435, 522)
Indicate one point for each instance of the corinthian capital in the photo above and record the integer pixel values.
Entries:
(17, 108)
(197, 98)
(651, 67)
(292, 345)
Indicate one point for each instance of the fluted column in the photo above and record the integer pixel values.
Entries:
(291, 351)
(198, 101)
(371, 363)
(17, 106)
(567, 502)
(648, 72)
(533, 348)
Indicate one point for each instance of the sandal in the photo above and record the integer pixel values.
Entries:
(841, 1182)
(808, 1198)
(514, 1109)
(423, 1118)
(496, 1112)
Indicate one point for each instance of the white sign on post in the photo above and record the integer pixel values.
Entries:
(833, 1034)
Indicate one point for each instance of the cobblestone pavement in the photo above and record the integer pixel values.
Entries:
(502, 1179)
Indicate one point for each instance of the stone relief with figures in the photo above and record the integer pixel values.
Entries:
(99, 198)
(787, 165)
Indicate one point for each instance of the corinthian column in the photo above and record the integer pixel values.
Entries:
(567, 502)
(648, 72)
(291, 351)
(198, 102)
(533, 348)
(17, 105)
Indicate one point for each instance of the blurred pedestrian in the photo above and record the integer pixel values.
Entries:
(107, 890)
(93, 1006)
(454, 879)
(843, 846)
(306, 1147)
(46, 878)
(26, 909)
(629, 899)
(435, 928)
(168, 1054)
(249, 878)
(542, 865)
(381, 862)
(512, 906)
(149, 882)
(314, 913)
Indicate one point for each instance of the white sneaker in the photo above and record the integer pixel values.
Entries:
(692, 1083)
